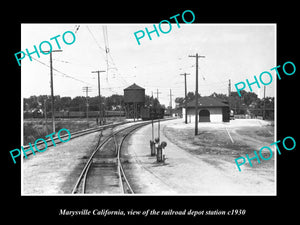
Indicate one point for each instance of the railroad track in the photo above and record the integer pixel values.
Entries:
(73, 135)
(103, 172)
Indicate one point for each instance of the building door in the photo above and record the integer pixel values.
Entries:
(204, 115)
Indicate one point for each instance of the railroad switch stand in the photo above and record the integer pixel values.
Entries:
(152, 148)
(160, 157)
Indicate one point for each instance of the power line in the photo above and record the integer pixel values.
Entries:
(95, 39)
(107, 53)
(64, 74)
(105, 35)
(71, 77)
(104, 28)
(63, 61)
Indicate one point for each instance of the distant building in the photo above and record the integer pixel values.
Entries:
(134, 100)
(134, 94)
(210, 109)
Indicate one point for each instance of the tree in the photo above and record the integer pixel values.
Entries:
(65, 103)
(191, 96)
(222, 97)
(33, 102)
(94, 103)
(237, 103)
(114, 102)
(78, 104)
(179, 101)
(150, 101)
(249, 97)
(163, 106)
(57, 103)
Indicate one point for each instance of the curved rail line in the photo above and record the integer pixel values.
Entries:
(121, 170)
(123, 183)
(75, 135)
(85, 170)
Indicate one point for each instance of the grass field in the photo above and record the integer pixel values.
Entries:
(36, 128)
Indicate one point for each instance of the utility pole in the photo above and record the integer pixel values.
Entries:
(196, 104)
(45, 113)
(229, 93)
(52, 93)
(151, 115)
(158, 122)
(171, 102)
(229, 88)
(264, 112)
(100, 110)
(157, 93)
(86, 90)
(185, 95)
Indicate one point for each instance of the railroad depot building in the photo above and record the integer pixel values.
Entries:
(210, 109)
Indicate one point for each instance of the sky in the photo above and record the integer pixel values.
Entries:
(232, 51)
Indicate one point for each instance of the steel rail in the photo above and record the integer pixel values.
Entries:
(119, 152)
(87, 165)
(98, 147)
(74, 135)
(85, 175)
(121, 169)
(84, 171)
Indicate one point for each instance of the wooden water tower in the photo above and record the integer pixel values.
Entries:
(134, 99)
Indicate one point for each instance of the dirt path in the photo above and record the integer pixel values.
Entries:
(56, 170)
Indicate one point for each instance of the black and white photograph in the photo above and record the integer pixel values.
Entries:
(133, 114)
(110, 113)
